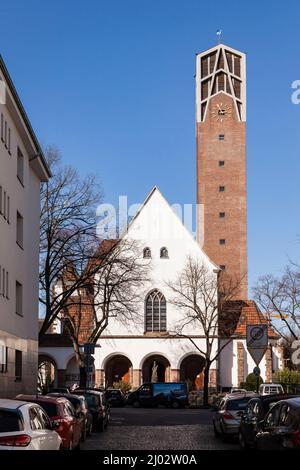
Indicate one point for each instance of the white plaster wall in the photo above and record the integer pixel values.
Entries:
(21, 264)
(157, 226)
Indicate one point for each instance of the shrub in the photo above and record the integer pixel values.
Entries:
(122, 385)
(287, 377)
(250, 383)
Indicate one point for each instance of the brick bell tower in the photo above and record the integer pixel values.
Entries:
(221, 159)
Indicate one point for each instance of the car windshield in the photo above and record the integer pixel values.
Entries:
(50, 408)
(239, 404)
(10, 421)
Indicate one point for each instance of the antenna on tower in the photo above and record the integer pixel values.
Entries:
(219, 33)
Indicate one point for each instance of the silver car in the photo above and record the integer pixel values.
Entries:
(228, 413)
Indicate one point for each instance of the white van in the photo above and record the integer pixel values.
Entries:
(270, 389)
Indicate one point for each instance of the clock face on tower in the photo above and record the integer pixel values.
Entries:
(221, 111)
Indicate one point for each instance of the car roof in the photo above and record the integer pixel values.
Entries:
(89, 391)
(42, 398)
(64, 395)
(236, 396)
(279, 396)
(293, 401)
(11, 404)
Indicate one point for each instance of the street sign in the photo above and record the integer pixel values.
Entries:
(257, 341)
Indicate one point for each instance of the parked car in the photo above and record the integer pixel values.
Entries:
(170, 394)
(255, 412)
(271, 389)
(280, 429)
(115, 397)
(62, 416)
(82, 412)
(228, 413)
(98, 406)
(26, 426)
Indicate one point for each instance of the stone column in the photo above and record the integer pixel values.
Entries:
(240, 363)
(61, 377)
(269, 365)
(99, 378)
(167, 374)
(136, 378)
(174, 375)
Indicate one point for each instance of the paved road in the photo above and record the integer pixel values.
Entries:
(158, 429)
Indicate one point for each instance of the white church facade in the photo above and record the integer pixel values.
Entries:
(128, 351)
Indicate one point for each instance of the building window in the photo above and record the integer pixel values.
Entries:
(221, 163)
(19, 229)
(18, 365)
(19, 298)
(164, 252)
(222, 215)
(4, 291)
(222, 241)
(20, 166)
(221, 189)
(3, 358)
(223, 267)
(156, 312)
(2, 127)
(147, 253)
(221, 137)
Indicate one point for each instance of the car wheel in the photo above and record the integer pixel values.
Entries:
(242, 441)
(83, 435)
(136, 404)
(224, 436)
(78, 446)
(101, 426)
(175, 405)
(216, 432)
(89, 430)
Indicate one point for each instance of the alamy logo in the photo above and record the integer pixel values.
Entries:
(296, 94)
(296, 353)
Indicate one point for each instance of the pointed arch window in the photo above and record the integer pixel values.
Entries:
(147, 252)
(164, 252)
(156, 311)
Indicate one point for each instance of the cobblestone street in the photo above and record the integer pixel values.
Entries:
(158, 429)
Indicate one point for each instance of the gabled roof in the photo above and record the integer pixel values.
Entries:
(237, 314)
(146, 201)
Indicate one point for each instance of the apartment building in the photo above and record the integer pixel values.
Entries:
(22, 168)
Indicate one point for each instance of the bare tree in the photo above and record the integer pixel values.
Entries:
(113, 290)
(202, 297)
(67, 234)
(279, 298)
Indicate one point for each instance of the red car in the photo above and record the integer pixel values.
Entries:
(62, 414)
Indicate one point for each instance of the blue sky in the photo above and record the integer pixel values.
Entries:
(111, 84)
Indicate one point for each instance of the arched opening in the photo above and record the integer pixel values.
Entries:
(156, 368)
(191, 371)
(47, 373)
(73, 376)
(118, 368)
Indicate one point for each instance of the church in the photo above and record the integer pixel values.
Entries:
(130, 352)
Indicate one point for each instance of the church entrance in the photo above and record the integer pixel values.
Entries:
(156, 368)
(118, 368)
(191, 371)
